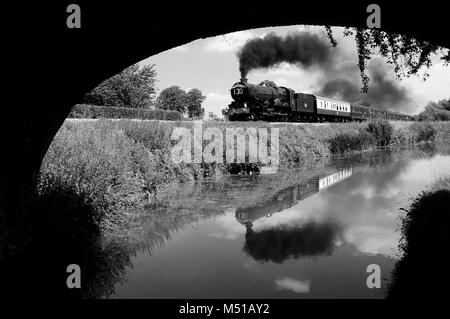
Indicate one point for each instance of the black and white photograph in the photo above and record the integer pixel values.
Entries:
(228, 158)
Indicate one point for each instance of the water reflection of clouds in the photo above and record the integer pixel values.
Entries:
(252, 266)
(365, 206)
(427, 171)
(227, 228)
(297, 286)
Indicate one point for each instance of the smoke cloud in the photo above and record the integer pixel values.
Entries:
(302, 49)
(384, 90)
(339, 74)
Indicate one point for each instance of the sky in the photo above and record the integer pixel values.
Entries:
(211, 65)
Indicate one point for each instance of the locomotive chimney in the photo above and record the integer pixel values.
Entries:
(244, 80)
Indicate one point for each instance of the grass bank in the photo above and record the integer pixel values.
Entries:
(421, 270)
(117, 167)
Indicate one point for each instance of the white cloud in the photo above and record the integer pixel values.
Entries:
(297, 286)
(228, 42)
(216, 103)
(283, 69)
(433, 89)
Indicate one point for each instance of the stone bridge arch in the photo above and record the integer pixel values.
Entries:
(50, 67)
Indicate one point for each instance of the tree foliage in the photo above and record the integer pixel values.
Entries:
(134, 87)
(175, 98)
(436, 111)
(408, 55)
(194, 100)
(172, 98)
(212, 116)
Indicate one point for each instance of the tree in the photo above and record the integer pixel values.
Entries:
(439, 111)
(194, 100)
(175, 98)
(212, 116)
(172, 98)
(445, 104)
(408, 55)
(134, 87)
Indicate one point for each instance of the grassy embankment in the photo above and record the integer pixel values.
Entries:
(117, 167)
(421, 272)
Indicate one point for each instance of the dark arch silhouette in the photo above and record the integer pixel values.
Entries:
(49, 67)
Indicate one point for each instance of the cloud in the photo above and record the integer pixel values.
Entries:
(433, 89)
(228, 42)
(297, 286)
(216, 103)
(282, 69)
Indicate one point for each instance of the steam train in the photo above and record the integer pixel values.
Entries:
(269, 102)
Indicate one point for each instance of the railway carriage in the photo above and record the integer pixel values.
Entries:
(332, 110)
(377, 113)
(391, 116)
(359, 112)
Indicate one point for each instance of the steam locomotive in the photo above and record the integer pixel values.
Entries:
(269, 102)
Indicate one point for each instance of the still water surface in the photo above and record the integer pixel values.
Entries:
(300, 234)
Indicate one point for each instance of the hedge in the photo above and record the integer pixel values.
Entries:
(109, 112)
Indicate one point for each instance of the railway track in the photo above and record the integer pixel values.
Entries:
(74, 120)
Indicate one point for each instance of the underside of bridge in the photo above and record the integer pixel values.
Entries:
(51, 67)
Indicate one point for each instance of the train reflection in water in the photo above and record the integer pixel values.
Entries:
(289, 197)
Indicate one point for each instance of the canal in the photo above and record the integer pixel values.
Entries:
(299, 233)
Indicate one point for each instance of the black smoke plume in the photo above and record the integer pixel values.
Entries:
(384, 91)
(303, 49)
(340, 77)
